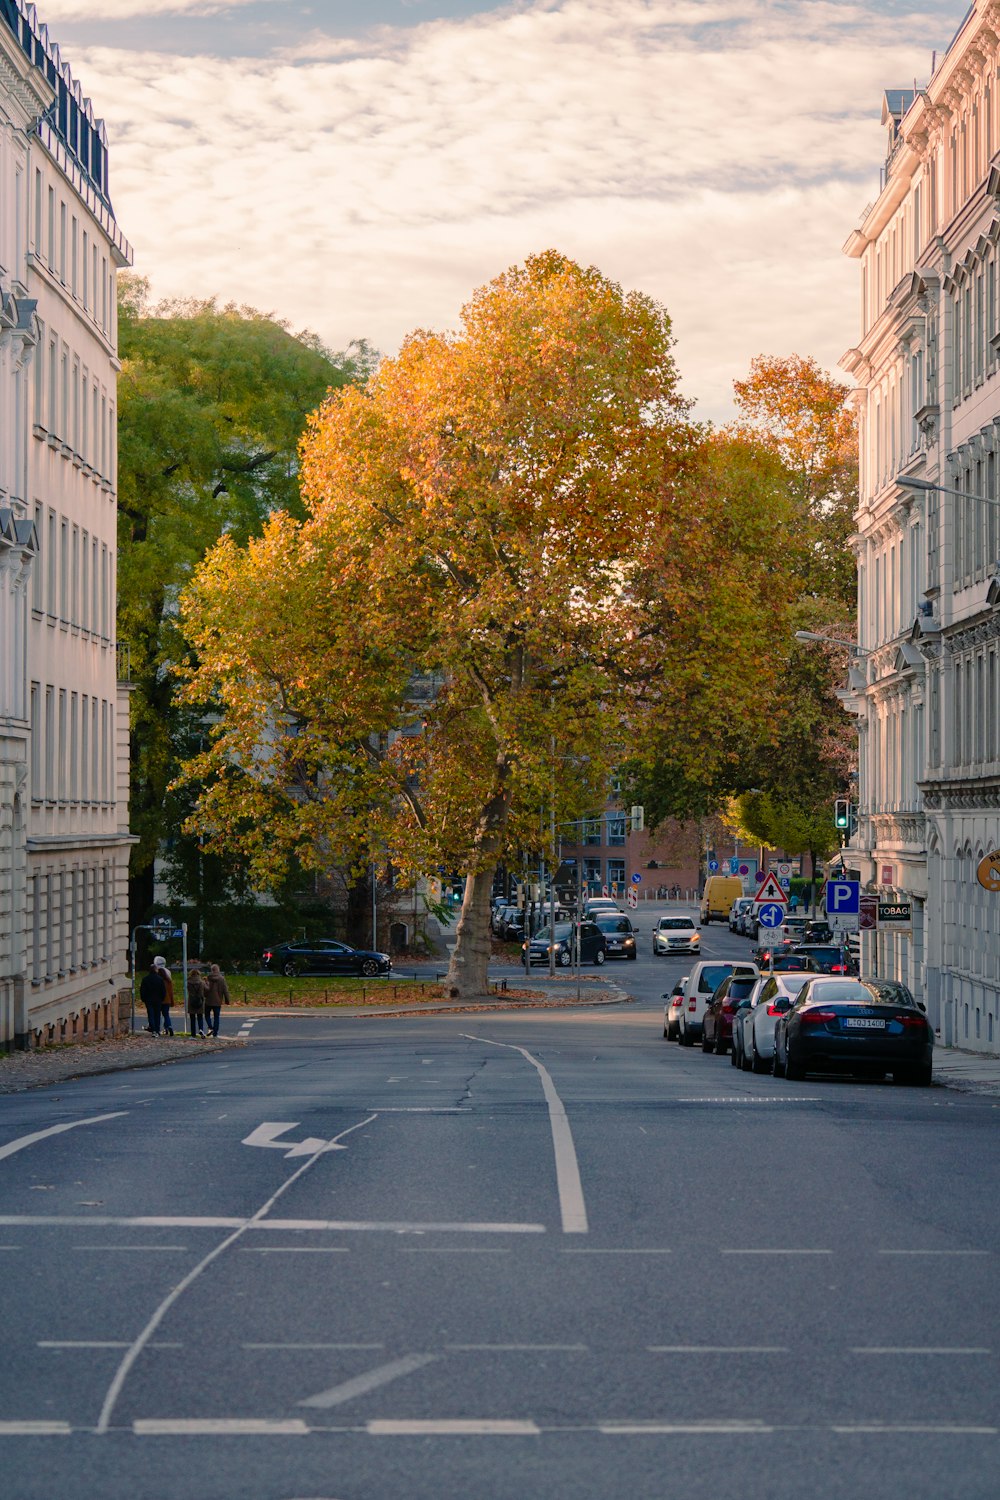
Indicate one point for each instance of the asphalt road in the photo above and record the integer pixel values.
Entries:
(523, 1255)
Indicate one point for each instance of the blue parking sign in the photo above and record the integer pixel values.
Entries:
(843, 898)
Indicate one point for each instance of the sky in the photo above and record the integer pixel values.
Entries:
(358, 167)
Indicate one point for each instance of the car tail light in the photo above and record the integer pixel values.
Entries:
(818, 1017)
(692, 1004)
(838, 968)
(911, 1021)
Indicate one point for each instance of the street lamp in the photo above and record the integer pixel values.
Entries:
(831, 640)
(921, 486)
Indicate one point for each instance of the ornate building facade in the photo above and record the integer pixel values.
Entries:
(64, 839)
(925, 682)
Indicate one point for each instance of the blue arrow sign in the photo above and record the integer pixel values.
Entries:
(771, 916)
(713, 865)
(636, 878)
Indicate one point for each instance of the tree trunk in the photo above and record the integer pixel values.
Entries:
(467, 972)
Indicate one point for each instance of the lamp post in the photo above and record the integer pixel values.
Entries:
(832, 640)
(921, 486)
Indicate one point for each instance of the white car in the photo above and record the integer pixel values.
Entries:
(675, 934)
(773, 996)
(739, 906)
(596, 905)
(683, 1015)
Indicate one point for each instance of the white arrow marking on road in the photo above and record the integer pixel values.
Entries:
(265, 1135)
(370, 1381)
(41, 1135)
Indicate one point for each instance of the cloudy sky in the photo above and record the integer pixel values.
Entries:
(358, 166)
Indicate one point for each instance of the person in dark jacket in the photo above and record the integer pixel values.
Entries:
(196, 1002)
(153, 994)
(217, 996)
(160, 964)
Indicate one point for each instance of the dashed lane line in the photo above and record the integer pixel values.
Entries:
(493, 1427)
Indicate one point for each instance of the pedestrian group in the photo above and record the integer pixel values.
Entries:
(207, 994)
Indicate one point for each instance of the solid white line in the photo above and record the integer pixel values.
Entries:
(141, 1249)
(636, 1429)
(915, 1349)
(576, 1250)
(115, 1388)
(775, 1252)
(219, 1427)
(930, 1429)
(294, 1225)
(41, 1135)
(451, 1250)
(570, 1188)
(35, 1429)
(295, 1250)
(313, 1346)
(935, 1252)
(371, 1380)
(97, 1344)
(516, 1349)
(456, 1428)
(716, 1349)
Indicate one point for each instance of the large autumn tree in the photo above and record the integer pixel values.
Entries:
(515, 554)
(212, 403)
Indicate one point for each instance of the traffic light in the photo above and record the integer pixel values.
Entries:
(842, 813)
(638, 819)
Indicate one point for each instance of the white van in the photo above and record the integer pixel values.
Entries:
(684, 1014)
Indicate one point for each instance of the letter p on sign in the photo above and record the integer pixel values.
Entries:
(843, 897)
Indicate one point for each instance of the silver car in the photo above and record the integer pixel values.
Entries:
(774, 996)
(675, 934)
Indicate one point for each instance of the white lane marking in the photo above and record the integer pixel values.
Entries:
(265, 1137)
(315, 1346)
(577, 1251)
(219, 1427)
(35, 1429)
(98, 1344)
(516, 1349)
(141, 1249)
(75, 1221)
(570, 1188)
(466, 1427)
(451, 1250)
(41, 1135)
(421, 1109)
(917, 1349)
(775, 1252)
(295, 1250)
(121, 1374)
(931, 1429)
(935, 1252)
(752, 1099)
(643, 1429)
(716, 1349)
(371, 1380)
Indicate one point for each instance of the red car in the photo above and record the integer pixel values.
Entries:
(717, 1023)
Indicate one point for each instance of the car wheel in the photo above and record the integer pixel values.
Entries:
(721, 1045)
(733, 1059)
(369, 967)
(777, 1066)
(794, 1069)
(748, 1059)
(599, 957)
(684, 1036)
(706, 1045)
(290, 969)
(632, 957)
(666, 1031)
(758, 1064)
(565, 959)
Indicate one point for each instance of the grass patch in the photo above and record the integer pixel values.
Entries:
(274, 989)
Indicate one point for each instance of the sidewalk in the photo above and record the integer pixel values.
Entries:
(967, 1072)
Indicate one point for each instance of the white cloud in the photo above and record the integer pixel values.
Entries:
(715, 155)
(52, 12)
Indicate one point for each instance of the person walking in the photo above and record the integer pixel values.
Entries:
(197, 990)
(152, 993)
(160, 965)
(216, 998)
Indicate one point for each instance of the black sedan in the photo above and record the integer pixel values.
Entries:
(867, 1027)
(619, 934)
(324, 956)
(828, 957)
(593, 944)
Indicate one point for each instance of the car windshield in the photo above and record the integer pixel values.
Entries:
(712, 976)
(839, 990)
(608, 922)
(790, 984)
(676, 924)
(564, 930)
(888, 992)
(822, 955)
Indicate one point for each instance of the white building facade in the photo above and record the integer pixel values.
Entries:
(925, 685)
(64, 839)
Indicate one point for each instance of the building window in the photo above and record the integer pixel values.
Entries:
(616, 831)
(591, 873)
(591, 831)
(616, 872)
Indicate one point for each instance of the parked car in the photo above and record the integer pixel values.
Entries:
(718, 896)
(676, 935)
(717, 1022)
(682, 1015)
(499, 915)
(773, 999)
(669, 1020)
(739, 906)
(829, 958)
(785, 961)
(511, 927)
(839, 1024)
(741, 1016)
(619, 934)
(324, 956)
(817, 932)
(796, 928)
(593, 944)
(594, 904)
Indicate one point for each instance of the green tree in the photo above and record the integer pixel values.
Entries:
(212, 404)
(510, 563)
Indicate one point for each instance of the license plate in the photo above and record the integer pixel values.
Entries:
(866, 1023)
